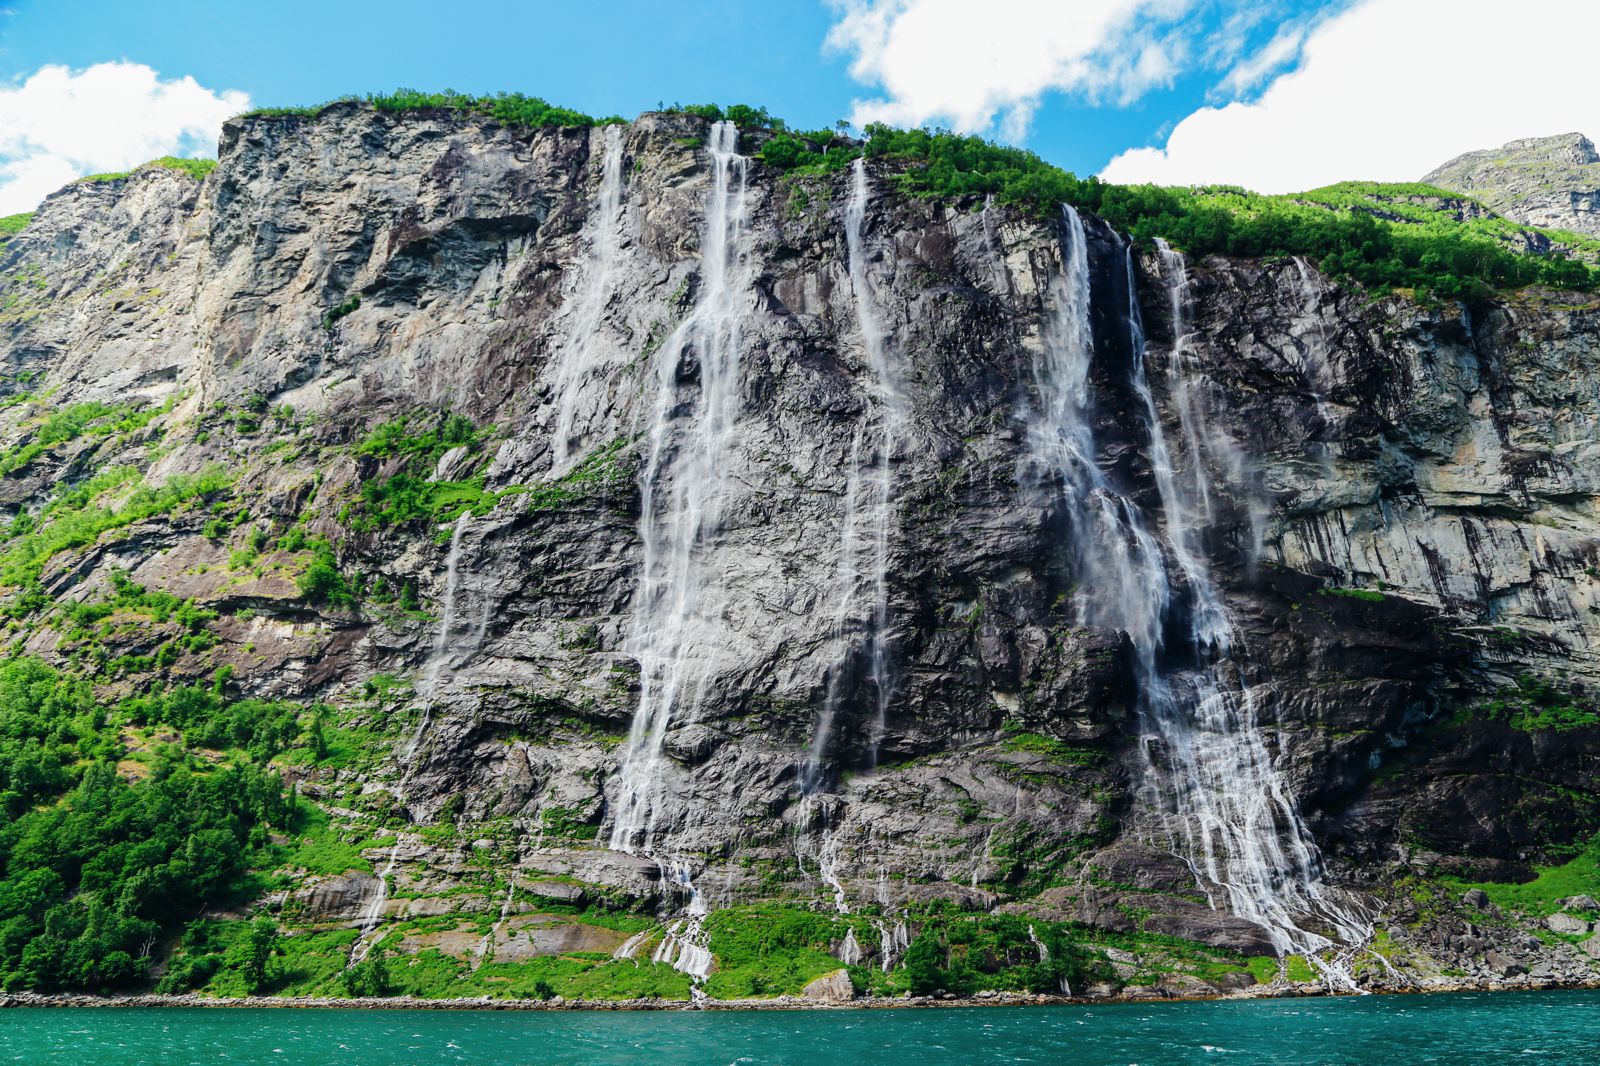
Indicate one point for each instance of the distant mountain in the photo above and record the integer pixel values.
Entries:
(1539, 181)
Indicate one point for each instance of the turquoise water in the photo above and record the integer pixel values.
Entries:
(1393, 1030)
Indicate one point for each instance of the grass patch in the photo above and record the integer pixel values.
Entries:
(75, 519)
(1580, 875)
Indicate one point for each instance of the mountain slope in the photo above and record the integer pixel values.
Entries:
(1552, 182)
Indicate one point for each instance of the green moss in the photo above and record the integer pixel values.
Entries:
(1363, 595)
(1299, 970)
(194, 168)
(1264, 968)
(318, 849)
(338, 311)
(1055, 750)
(606, 468)
(11, 225)
(1533, 705)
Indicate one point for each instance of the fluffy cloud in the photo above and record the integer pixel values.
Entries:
(1387, 90)
(60, 124)
(981, 66)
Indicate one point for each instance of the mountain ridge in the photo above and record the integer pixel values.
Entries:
(1541, 181)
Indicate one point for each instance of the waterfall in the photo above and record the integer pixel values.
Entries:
(1208, 770)
(876, 511)
(892, 942)
(486, 945)
(583, 350)
(441, 654)
(850, 948)
(849, 580)
(682, 486)
(1315, 370)
(893, 415)
(1180, 510)
(373, 915)
(1202, 440)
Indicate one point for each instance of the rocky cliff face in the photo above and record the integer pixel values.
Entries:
(1398, 519)
(1539, 181)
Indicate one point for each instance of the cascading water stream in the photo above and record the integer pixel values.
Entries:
(1209, 772)
(1202, 441)
(893, 415)
(443, 649)
(844, 612)
(486, 945)
(583, 350)
(683, 485)
(1315, 368)
(373, 915)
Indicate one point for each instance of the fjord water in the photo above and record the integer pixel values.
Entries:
(1561, 1027)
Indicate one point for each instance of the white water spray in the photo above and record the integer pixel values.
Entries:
(849, 578)
(373, 915)
(1316, 346)
(1203, 441)
(445, 651)
(1209, 772)
(683, 486)
(486, 945)
(583, 352)
(893, 415)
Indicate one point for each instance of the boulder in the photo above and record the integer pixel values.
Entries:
(1566, 924)
(832, 987)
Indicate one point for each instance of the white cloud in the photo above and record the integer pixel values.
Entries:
(1278, 53)
(981, 66)
(1386, 91)
(60, 124)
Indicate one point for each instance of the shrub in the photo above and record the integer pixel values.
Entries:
(338, 311)
(321, 581)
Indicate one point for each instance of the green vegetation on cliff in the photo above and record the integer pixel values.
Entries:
(1380, 236)
(1418, 249)
(194, 168)
(508, 109)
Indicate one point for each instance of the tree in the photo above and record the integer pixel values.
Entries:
(921, 964)
(252, 953)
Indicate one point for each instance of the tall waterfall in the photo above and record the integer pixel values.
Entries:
(893, 415)
(1203, 442)
(583, 349)
(1210, 783)
(447, 646)
(876, 513)
(682, 489)
(1315, 371)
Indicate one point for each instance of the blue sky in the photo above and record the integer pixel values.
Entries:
(1247, 90)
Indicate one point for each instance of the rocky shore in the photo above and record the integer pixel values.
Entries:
(1142, 994)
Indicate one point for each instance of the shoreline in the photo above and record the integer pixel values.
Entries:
(781, 1003)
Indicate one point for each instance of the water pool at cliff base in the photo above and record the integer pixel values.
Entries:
(1446, 1028)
